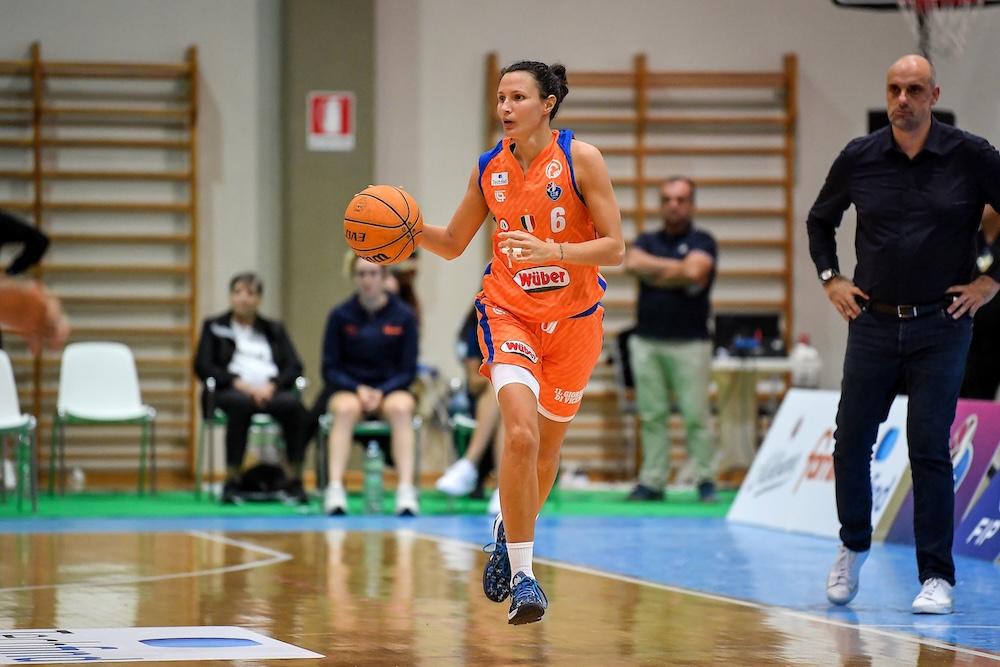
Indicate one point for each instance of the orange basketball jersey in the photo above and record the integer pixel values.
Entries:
(546, 203)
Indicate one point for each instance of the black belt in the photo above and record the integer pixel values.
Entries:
(908, 312)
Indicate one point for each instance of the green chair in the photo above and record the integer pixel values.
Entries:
(260, 424)
(364, 431)
(14, 423)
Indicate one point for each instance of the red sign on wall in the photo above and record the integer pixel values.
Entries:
(330, 121)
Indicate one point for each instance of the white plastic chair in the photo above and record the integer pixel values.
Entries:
(13, 422)
(99, 384)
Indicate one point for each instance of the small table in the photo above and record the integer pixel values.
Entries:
(736, 381)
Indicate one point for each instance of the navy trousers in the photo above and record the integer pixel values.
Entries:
(924, 358)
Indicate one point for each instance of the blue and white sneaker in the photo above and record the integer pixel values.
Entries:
(527, 601)
(496, 574)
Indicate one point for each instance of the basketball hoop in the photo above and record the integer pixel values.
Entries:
(940, 25)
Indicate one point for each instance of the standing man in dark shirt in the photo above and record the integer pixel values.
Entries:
(919, 187)
(670, 350)
(369, 362)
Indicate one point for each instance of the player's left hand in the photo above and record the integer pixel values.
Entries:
(523, 247)
(973, 296)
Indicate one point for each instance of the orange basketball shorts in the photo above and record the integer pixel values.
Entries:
(560, 355)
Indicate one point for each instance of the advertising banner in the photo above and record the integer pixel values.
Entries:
(790, 483)
(975, 435)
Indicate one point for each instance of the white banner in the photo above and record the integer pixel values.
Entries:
(790, 482)
(192, 644)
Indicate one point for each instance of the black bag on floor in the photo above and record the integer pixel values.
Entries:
(264, 481)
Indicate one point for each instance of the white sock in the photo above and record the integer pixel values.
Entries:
(520, 554)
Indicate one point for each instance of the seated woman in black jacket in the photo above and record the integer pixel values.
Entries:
(255, 366)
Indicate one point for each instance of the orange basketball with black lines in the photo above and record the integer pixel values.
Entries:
(383, 224)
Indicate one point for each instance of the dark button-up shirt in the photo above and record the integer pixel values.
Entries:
(916, 219)
(675, 313)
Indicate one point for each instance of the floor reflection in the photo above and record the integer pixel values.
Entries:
(400, 598)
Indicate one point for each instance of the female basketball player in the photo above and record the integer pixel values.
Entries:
(540, 316)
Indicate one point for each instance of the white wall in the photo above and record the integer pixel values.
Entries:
(239, 147)
(430, 92)
(430, 116)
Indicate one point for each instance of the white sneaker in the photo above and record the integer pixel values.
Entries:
(459, 479)
(335, 500)
(842, 582)
(934, 598)
(407, 503)
(494, 506)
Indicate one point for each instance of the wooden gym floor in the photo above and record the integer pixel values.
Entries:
(386, 591)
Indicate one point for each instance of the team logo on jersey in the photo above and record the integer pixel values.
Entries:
(553, 191)
(523, 349)
(503, 224)
(500, 178)
(500, 195)
(542, 278)
(552, 169)
(528, 223)
(683, 249)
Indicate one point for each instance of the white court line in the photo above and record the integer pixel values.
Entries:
(275, 557)
(791, 613)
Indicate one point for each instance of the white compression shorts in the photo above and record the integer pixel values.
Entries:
(504, 374)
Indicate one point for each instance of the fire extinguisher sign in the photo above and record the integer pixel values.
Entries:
(330, 121)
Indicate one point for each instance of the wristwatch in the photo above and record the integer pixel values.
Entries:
(827, 275)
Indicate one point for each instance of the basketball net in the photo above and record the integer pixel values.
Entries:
(940, 25)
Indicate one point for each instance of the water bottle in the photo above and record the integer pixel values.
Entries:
(9, 475)
(77, 479)
(372, 490)
(806, 364)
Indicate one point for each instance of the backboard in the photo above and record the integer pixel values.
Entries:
(940, 26)
(894, 5)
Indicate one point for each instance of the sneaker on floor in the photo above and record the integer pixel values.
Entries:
(842, 582)
(407, 503)
(231, 493)
(643, 493)
(335, 500)
(459, 479)
(707, 494)
(294, 493)
(494, 506)
(527, 601)
(934, 598)
(496, 574)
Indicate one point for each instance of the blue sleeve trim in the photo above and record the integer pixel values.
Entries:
(565, 140)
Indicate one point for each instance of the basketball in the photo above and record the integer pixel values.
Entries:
(383, 224)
